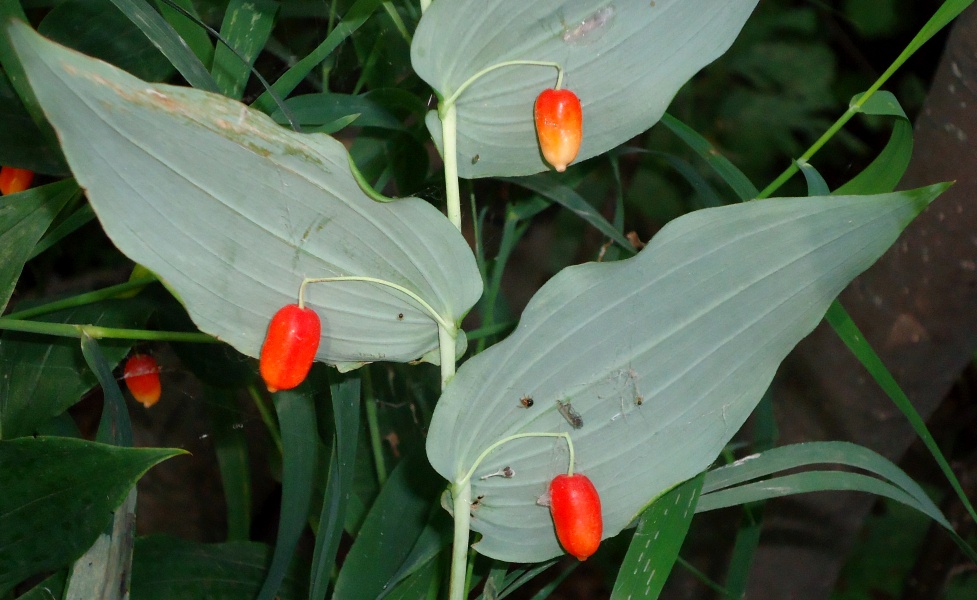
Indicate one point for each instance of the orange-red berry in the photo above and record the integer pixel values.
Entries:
(13, 180)
(559, 127)
(575, 506)
(141, 374)
(290, 347)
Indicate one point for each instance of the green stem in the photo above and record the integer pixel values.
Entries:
(447, 346)
(449, 141)
(518, 436)
(427, 307)
(82, 299)
(97, 332)
(269, 420)
(373, 424)
(509, 63)
(398, 22)
(936, 22)
(461, 495)
(817, 145)
(365, 185)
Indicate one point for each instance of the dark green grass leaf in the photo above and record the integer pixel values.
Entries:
(167, 568)
(24, 218)
(168, 41)
(849, 333)
(392, 527)
(654, 548)
(24, 146)
(41, 376)
(246, 28)
(357, 14)
(186, 22)
(231, 446)
(297, 418)
(97, 28)
(58, 496)
(884, 173)
(346, 412)
(551, 187)
(734, 178)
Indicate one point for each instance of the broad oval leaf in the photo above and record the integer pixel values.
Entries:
(663, 356)
(625, 60)
(233, 211)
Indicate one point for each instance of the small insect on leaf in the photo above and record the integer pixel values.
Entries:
(141, 375)
(572, 416)
(13, 180)
(559, 127)
(526, 402)
(290, 347)
(575, 507)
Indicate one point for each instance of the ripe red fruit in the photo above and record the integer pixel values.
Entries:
(559, 127)
(141, 374)
(13, 180)
(290, 347)
(575, 506)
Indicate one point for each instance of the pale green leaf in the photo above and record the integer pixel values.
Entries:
(233, 211)
(625, 61)
(663, 355)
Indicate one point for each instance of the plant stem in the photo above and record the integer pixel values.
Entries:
(98, 332)
(427, 307)
(509, 63)
(461, 500)
(943, 16)
(449, 140)
(82, 299)
(447, 340)
(461, 495)
(520, 436)
(373, 425)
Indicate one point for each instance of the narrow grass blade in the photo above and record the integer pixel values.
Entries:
(346, 412)
(245, 31)
(733, 177)
(296, 415)
(352, 20)
(816, 185)
(164, 37)
(553, 189)
(231, 446)
(842, 323)
(392, 527)
(183, 17)
(114, 427)
(884, 173)
(662, 528)
(24, 219)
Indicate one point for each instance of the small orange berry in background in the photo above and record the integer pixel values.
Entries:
(142, 378)
(290, 347)
(559, 127)
(13, 180)
(575, 507)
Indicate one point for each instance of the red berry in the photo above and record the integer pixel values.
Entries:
(559, 127)
(13, 180)
(575, 506)
(290, 347)
(141, 374)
